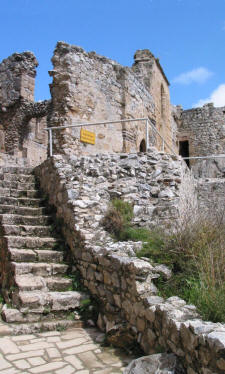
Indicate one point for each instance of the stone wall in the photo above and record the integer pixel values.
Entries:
(149, 71)
(175, 124)
(17, 78)
(21, 120)
(154, 183)
(23, 126)
(211, 193)
(90, 88)
(9, 161)
(80, 188)
(86, 87)
(204, 128)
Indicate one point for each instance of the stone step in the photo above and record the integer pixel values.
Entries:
(22, 255)
(38, 268)
(30, 282)
(15, 219)
(39, 301)
(49, 256)
(26, 211)
(29, 255)
(24, 230)
(17, 185)
(22, 201)
(18, 193)
(32, 242)
(28, 323)
(16, 170)
(22, 178)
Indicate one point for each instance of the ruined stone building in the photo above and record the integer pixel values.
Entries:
(79, 182)
(88, 88)
(21, 120)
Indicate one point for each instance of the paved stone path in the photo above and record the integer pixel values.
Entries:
(72, 351)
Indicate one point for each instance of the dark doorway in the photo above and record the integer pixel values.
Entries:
(184, 150)
(142, 146)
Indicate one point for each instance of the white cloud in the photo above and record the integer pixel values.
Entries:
(198, 75)
(217, 97)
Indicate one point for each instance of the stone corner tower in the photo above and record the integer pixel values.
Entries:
(150, 72)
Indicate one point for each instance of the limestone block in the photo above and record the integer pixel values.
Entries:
(161, 363)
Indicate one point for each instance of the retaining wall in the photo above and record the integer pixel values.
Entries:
(130, 310)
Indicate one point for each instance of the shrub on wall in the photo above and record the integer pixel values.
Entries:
(195, 253)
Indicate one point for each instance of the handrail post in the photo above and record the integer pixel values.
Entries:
(147, 135)
(163, 145)
(50, 142)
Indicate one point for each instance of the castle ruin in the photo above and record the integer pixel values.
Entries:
(80, 179)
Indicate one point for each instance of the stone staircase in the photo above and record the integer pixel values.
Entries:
(33, 275)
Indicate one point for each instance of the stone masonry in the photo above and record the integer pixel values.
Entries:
(150, 72)
(124, 284)
(204, 129)
(17, 77)
(88, 87)
(32, 269)
(81, 179)
(21, 120)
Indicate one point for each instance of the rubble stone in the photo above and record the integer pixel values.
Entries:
(110, 269)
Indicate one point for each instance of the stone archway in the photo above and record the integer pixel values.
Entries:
(142, 147)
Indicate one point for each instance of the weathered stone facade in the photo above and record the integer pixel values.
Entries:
(17, 78)
(149, 71)
(204, 129)
(80, 188)
(87, 87)
(211, 192)
(203, 132)
(21, 120)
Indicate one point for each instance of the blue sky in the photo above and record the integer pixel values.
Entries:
(188, 36)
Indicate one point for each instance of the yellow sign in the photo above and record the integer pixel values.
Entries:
(87, 136)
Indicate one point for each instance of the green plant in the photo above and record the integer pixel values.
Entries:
(125, 209)
(118, 218)
(46, 310)
(71, 316)
(85, 304)
(113, 222)
(60, 328)
(195, 253)
(89, 309)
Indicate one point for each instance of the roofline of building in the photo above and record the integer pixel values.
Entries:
(162, 71)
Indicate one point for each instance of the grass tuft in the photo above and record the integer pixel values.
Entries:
(195, 253)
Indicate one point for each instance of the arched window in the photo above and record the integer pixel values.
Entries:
(163, 102)
(142, 147)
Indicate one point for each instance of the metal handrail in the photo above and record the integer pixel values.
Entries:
(204, 157)
(147, 123)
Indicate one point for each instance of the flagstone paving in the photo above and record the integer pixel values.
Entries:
(76, 350)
